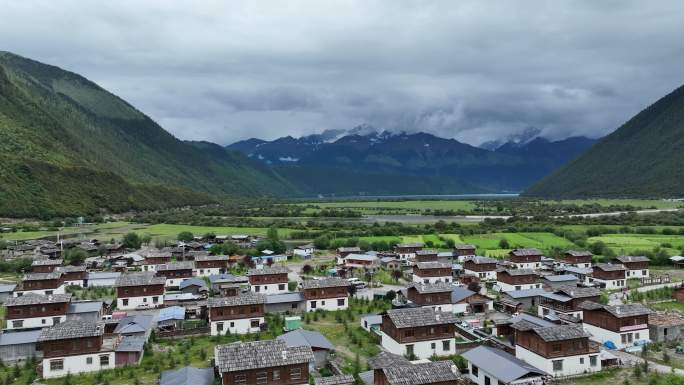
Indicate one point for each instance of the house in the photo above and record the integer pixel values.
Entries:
(195, 286)
(73, 275)
(342, 252)
(421, 332)
(491, 366)
(560, 350)
(175, 272)
(423, 373)
(326, 294)
(139, 290)
(19, 345)
(241, 314)
(583, 274)
(432, 272)
(101, 278)
(371, 322)
(504, 327)
(576, 258)
(286, 302)
(304, 250)
(362, 261)
(259, 362)
(610, 276)
(566, 301)
(525, 258)
(45, 265)
(407, 251)
(516, 300)
(207, 265)
(426, 255)
(390, 263)
(666, 326)
(187, 376)
(269, 280)
(6, 291)
(41, 283)
(466, 301)
(463, 251)
(33, 311)
(516, 279)
(75, 347)
(138, 325)
(217, 281)
(319, 345)
(553, 282)
(482, 267)
(152, 261)
(85, 310)
(340, 379)
(433, 295)
(637, 266)
(619, 326)
(129, 351)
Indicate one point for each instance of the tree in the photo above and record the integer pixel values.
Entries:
(396, 274)
(3, 244)
(75, 256)
(146, 239)
(503, 244)
(307, 269)
(322, 242)
(272, 234)
(185, 236)
(131, 241)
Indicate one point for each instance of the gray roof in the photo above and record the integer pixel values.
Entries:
(139, 279)
(187, 376)
(325, 282)
(227, 278)
(578, 270)
(518, 272)
(102, 275)
(139, 323)
(423, 373)
(192, 282)
(579, 292)
(433, 265)
(259, 354)
(372, 319)
(20, 337)
(427, 252)
(8, 288)
(362, 257)
(71, 329)
(203, 258)
(631, 258)
(557, 297)
(342, 379)
(527, 293)
(420, 316)
(530, 319)
(284, 298)
(618, 311)
(47, 262)
(609, 267)
(560, 332)
(249, 298)
(269, 270)
(580, 253)
(71, 269)
(348, 249)
(42, 276)
(183, 265)
(526, 252)
(459, 293)
(35, 299)
(131, 344)
(560, 278)
(478, 260)
(301, 337)
(464, 247)
(84, 307)
(504, 366)
(438, 287)
(386, 359)
(414, 244)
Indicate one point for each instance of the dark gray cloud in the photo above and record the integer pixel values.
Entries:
(470, 70)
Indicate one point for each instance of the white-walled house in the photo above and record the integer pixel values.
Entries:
(482, 267)
(240, 314)
(560, 350)
(326, 294)
(434, 295)
(432, 272)
(175, 272)
(32, 311)
(516, 279)
(610, 276)
(139, 290)
(491, 366)
(407, 251)
(525, 258)
(207, 265)
(421, 332)
(304, 250)
(637, 266)
(577, 258)
(269, 280)
(566, 301)
(41, 283)
(621, 325)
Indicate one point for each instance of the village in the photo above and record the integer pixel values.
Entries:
(325, 316)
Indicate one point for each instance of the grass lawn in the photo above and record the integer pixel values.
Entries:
(625, 243)
(621, 376)
(678, 306)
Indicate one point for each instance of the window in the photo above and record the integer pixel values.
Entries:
(144, 299)
(636, 336)
(665, 331)
(276, 374)
(281, 287)
(254, 323)
(295, 374)
(104, 360)
(232, 324)
(18, 324)
(56, 320)
(340, 302)
(219, 326)
(89, 360)
(557, 365)
(409, 350)
(240, 379)
(475, 370)
(124, 302)
(257, 288)
(581, 360)
(516, 288)
(155, 299)
(593, 360)
(487, 381)
(322, 303)
(56, 365)
(261, 377)
(556, 348)
(43, 321)
(313, 304)
(446, 345)
(48, 292)
(433, 346)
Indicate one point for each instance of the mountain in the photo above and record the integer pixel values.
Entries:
(70, 147)
(642, 158)
(520, 139)
(402, 163)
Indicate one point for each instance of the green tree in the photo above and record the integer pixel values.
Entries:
(132, 241)
(185, 236)
(322, 242)
(503, 244)
(272, 234)
(75, 256)
(146, 239)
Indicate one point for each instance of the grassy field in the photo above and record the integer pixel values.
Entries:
(645, 203)
(370, 206)
(626, 243)
(625, 376)
(678, 306)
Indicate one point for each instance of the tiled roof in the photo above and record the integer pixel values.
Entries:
(421, 316)
(525, 252)
(518, 272)
(259, 354)
(139, 279)
(666, 318)
(183, 265)
(47, 262)
(426, 252)
(71, 329)
(438, 287)
(342, 379)
(35, 299)
(71, 269)
(560, 332)
(238, 300)
(414, 244)
(579, 292)
(560, 278)
(609, 267)
(423, 373)
(433, 265)
(269, 270)
(631, 258)
(325, 282)
(464, 247)
(386, 359)
(482, 260)
(579, 253)
(618, 311)
(42, 276)
(204, 258)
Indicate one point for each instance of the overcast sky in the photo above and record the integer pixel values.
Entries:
(471, 70)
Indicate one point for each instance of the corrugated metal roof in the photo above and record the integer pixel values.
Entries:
(302, 337)
(503, 366)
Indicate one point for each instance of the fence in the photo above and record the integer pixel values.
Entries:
(193, 331)
(655, 280)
